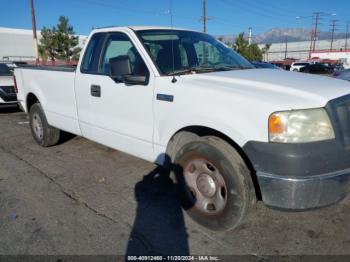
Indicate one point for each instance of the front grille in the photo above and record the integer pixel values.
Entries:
(8, 94)
(9, 98)
(8, 89)
(339, 112)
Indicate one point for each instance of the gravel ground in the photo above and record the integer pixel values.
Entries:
(83, 198)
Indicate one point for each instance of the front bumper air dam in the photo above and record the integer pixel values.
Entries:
(298, 193)
(301, 176)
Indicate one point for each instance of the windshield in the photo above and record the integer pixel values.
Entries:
(180, 52)
(5, 70)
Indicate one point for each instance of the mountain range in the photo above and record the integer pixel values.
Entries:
(277, 35)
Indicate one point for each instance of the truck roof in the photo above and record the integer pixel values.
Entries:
(139, 28)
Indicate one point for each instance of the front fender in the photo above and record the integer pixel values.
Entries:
(239, 129)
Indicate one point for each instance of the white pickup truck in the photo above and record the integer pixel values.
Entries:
(180, 98)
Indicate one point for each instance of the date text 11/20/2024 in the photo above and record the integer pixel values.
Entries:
(173, 258)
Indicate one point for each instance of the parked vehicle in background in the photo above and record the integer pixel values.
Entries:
(265, 65)
(319, 69)
(7, 87)
(296, 66)
(343, 74)
(183, 100)
(20, 63)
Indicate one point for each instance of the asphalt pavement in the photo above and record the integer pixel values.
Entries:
(83, 198)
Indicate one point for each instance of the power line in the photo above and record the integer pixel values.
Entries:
(316, 17)
(249, 10)
(272, 9)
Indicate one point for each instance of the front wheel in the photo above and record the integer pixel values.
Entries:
(44, 134)
(216, 186)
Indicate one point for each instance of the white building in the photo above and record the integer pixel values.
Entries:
(300, 50)
(17, 44)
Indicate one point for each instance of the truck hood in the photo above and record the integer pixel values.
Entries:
(6, 81)
(288, 90)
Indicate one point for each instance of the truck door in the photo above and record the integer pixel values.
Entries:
(110, 112)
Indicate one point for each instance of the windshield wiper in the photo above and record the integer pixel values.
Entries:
(200, 69)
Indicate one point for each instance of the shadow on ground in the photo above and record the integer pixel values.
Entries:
(159, 227)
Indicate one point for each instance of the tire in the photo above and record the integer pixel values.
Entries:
(178, 141)
(214, 182)
(295, 70)
(44, 134)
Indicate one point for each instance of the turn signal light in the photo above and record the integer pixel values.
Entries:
(276, 125)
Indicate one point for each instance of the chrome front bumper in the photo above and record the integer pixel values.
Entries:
(306, 192)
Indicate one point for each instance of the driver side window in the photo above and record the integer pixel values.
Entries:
(118, 45)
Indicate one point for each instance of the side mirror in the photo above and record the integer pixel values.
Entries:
(119, 66)
(135, 80)
(120, 71)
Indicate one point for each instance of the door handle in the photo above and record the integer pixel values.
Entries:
(95, 90)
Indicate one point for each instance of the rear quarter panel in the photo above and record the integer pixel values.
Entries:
(55, 91)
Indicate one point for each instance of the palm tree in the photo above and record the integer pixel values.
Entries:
(266, 49)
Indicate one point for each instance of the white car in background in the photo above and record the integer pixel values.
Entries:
(297, 66)
(7, 87)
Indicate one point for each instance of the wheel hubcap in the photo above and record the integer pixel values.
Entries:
(37, 126)
(206, 186)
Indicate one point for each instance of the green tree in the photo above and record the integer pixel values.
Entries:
(241, 45)
(60, 42)
(47, 46)
(254, 53)
(251, 52)
(66, 40)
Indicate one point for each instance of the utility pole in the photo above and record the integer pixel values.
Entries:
(204, 17)
(311, 42)
(286, 49)
(35, 39)
(316, 17)
(346, 35)
(333, 25)
(315, 32)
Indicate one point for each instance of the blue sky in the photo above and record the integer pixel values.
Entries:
(226, 16)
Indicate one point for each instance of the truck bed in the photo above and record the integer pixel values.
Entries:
(64, 68)
(53, 86)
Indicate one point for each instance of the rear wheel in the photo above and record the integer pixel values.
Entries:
(44, 134)
(216, 187)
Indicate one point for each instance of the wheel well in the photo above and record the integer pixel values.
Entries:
(206, 131)
(31, 100)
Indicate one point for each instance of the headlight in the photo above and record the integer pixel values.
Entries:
(300, 126)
